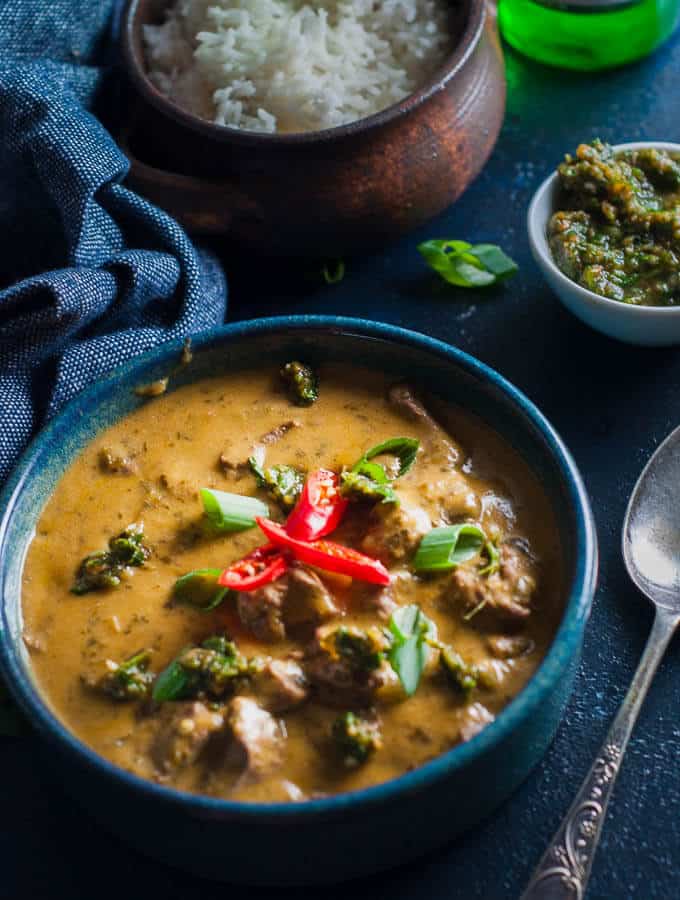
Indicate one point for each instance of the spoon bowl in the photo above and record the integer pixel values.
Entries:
(651, 529)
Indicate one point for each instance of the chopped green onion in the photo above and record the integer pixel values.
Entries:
(411, 630)
(467, 265)
(447, 547)
(232, 512)
(200, 589)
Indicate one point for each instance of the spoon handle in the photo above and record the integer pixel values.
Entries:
(563, 871)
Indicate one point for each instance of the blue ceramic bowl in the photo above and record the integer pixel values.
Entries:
(351, 834)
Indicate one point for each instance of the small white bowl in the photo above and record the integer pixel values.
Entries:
(650, 326)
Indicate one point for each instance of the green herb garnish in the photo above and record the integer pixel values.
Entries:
(302, 383)
(103, 568)
(403, 448)
(446, 547)
(359, 486)
(200, 589)
(333, 271)
(231, 512)
(492, 553)
(363, 650)
(283, 483)
(459, 674)
(129, 680)
(467, 265)
(212, 669)
(411, 632)
(369, 480)
(172, 683)
(356, 738)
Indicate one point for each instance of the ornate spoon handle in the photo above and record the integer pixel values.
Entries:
(563, 871)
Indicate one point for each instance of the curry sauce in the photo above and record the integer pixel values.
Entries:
(272, 736)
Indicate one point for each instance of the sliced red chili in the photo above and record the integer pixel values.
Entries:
(263, 565)
(327, 555)
(319, 509)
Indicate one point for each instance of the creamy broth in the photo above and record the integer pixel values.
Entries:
(173, 444)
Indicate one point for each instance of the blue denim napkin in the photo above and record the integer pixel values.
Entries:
(90, 273)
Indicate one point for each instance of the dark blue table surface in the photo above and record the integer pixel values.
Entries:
(611, 403)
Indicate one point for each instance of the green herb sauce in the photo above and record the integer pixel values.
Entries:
(618, 230)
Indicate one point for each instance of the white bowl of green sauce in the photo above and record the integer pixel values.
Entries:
(651, 326)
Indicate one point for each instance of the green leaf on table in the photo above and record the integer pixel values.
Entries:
(467, 265)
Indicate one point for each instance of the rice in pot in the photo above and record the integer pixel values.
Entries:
(286, 66)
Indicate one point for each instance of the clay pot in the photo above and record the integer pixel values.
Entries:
(326, 192)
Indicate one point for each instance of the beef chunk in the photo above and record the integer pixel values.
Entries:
(394, 532)
(256, 742)
(298, 599)
(438, 444)
(275, 435)
(451, 498)
(308, 600)
(491, 601)
(476, 718)
(237, 468)
(347, 668)
(261, 611)
(509, 646)
(184, 732)
(281, 685)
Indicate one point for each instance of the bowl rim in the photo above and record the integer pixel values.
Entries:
(438, 81)
(536, 227)
(564, 647)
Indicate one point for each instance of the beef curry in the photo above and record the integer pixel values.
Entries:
(278, 585)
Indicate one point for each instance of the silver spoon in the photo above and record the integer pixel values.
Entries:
(651, 550)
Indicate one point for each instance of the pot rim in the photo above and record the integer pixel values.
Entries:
(136, 71)
(564, 647)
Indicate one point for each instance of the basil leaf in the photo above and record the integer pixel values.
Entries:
(446, 547)
(411, 629)
(403, 448)
(200, 589)
(467, 265)
(171, 684)
(231, 512)
(374, 471)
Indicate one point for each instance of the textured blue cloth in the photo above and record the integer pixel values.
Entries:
(90, 273)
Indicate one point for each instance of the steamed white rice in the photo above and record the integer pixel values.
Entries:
(287, 65)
